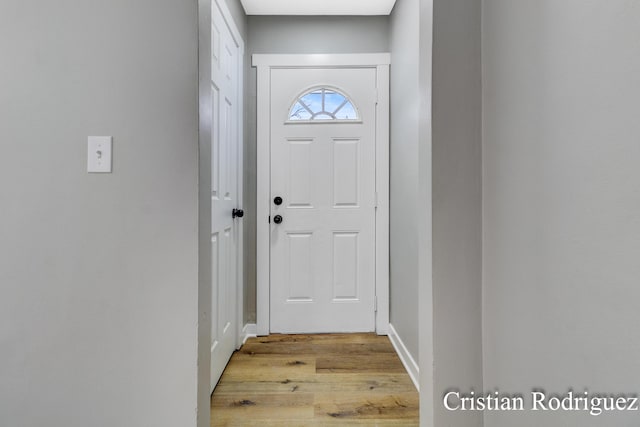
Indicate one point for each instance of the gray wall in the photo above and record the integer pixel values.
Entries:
(204, 212)
(561, 202)
(98, 273)
(405, 101)
(424, 219)
(457, 205)
(294, 34)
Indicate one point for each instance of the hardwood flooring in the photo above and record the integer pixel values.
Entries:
(315, 380)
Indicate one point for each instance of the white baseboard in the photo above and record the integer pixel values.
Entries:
(407, 360)
(250, 330)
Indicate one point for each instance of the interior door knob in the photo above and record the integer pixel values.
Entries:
(239, 213)
(277, 219)
(277, 200)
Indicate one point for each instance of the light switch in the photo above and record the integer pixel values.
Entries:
(99, 154)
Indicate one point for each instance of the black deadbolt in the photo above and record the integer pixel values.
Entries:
(239, 213)
(277, 200)
(277, 219)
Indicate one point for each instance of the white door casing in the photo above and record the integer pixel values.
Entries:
(226, 188)
(325, 267)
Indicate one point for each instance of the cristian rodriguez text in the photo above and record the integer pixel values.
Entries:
(539, 400)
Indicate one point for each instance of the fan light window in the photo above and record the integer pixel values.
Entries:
(323, 104)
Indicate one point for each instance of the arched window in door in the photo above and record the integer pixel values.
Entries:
(323, 104)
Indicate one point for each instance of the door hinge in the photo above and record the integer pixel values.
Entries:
(375, 200)
(269, 219)
(375, 303)
(376, 96)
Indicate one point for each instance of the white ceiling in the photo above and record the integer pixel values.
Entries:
(318, 7)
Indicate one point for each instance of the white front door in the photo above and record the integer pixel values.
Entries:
(225, 191)
(323, 200)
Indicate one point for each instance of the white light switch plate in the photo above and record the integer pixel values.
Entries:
(99, 154)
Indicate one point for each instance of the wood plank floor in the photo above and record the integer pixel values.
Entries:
(315, 380)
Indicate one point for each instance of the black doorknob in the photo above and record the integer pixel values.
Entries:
(277, 200)
(237, 213)
(277, 219)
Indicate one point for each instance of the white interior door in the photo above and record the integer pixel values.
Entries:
(323, 167)
(226, 154)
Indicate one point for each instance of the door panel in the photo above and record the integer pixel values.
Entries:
(346, 173)
(322, 268)
(345, 262)
(299, 165)
(225, 155)
(299, 257)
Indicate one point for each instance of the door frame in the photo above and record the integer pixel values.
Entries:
(265, 63)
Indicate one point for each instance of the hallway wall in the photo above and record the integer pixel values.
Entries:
(98, 272)
(457, 205)
(294, 34)
(561, 203)
(425, 219)
(404, 212)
